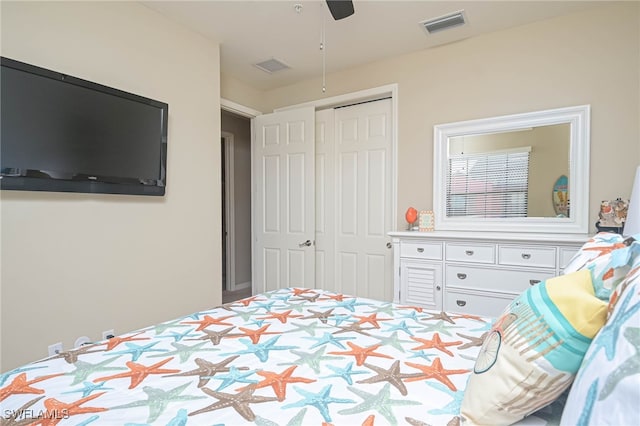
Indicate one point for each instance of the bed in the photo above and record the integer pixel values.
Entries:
(292, 356)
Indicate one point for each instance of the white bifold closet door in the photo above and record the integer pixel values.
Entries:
(351, 200)
(354, 203)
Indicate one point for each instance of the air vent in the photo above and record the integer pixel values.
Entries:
(272, 65)
(442, 23)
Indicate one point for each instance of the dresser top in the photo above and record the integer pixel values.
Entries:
(493, 236)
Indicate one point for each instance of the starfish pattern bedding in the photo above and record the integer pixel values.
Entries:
(286, 357)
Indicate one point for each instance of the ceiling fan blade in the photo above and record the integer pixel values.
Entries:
(340, 9)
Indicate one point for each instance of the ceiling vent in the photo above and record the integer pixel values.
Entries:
(272, 65)
(443, 22)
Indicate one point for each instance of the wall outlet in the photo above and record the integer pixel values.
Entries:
(108, 334)
(82, 340)
(55, 349)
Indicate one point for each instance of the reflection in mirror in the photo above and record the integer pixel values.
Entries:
(508, 174)
(517, 173)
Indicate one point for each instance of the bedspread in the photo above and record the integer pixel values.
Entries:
(287, 357)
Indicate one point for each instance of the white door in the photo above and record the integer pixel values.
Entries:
(363, 200)
(284, 205)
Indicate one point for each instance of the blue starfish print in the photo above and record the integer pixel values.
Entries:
(439, 327)
(257, 322)
(161, 328)
(386, 308)
(484, 327)
(245, 315)
(265, 305)
(393, 341)
(181, 419)
(344, 373)
(179, 336)
(452, 407)
(5, 376)
(294, 306)
(339, 319)
(136, 350)
(89, 387)
(234, 376)
(587, 409)
(349, 304)
(84, 369)
(423, 355)
(320, 400)
(158, 400)
(411, 315)
(326, 339)
(184, 352)
(309, 328)
(400, 327)
(311, 359)
(261, 350)
(381, 403)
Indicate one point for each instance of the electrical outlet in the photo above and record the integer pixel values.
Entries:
(55, 349)
(82, 340)
(108, 334)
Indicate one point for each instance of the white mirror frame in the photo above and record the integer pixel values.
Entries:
(579, 119)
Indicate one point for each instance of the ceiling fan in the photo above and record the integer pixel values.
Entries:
(340, 9)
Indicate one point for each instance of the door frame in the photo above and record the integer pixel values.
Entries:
(229, 211)
(374, 93)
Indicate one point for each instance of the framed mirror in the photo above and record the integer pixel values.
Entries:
(516, 173)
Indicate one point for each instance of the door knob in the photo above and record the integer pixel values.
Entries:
(305, 244)
(388, 245)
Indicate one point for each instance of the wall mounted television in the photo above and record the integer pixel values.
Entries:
(65, 134)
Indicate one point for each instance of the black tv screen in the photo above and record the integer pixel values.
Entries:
(61, 133)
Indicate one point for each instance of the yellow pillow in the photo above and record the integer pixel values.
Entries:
(534, 350)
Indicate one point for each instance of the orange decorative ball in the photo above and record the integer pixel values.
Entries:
(411, 215)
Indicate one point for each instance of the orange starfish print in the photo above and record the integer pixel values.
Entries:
(371, 319)
(255, 335)
(279, 381)
(434, 371)
(58, 410)
(282, 317)
(299, 291)
(115, 341)
(435, 343)
(337, 297)
(369, 420)
(468, 316)
(139, 372)
(20, 385)
(247, 301)
(361, 353)
(208, 320)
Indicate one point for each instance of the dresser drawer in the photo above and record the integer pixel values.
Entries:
(539, 257)
(476, 253)
(566, 254)
(488, 305)
(421, 250)
(499, 280)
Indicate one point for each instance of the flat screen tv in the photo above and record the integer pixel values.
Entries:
(64, 134)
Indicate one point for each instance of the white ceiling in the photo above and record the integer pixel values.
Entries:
(253, 31)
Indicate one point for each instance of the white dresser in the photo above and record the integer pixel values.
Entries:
(475, 273)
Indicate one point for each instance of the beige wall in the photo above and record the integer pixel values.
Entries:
(78, 264)
(591, 57)
(240, 127)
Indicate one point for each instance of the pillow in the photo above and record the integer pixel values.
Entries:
(533, 351)
(607, 386)
(606, 256)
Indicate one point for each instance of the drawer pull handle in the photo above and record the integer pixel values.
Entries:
(526, 256)
(438, 287)
(534, 282)
(461, 275)
(420, 249)
(468, 252)
(461, 302)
